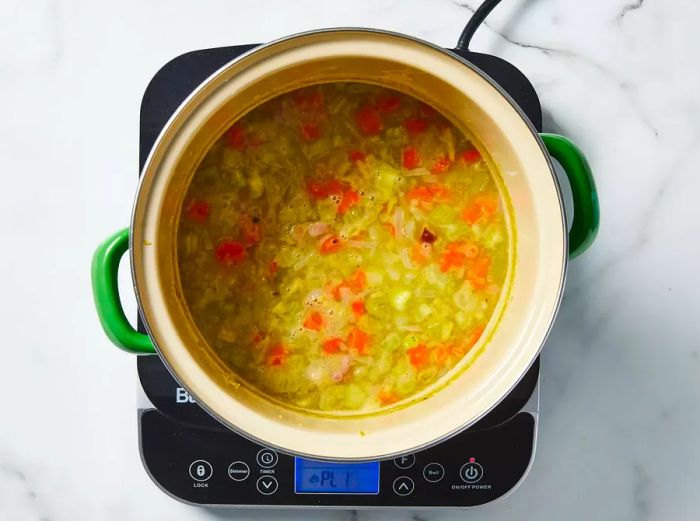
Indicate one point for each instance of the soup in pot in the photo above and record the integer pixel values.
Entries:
(342, 247)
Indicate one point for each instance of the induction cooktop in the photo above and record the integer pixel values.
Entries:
(196, 459)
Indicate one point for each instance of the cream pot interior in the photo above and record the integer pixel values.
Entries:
(463, 94)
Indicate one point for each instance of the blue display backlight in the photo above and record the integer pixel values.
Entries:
(321, 477)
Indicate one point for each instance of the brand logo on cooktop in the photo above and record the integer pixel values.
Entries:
(182, 396)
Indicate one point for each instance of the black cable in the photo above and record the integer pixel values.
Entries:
(474, 22)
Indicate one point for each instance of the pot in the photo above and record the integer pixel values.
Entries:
(540, 245)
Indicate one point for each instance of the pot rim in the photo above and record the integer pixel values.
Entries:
(185, 105)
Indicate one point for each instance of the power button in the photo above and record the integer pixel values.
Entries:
(471, 472)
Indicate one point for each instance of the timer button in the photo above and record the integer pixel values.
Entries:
(267, 458)
(403, 486)
(433, 472)
(201, 470)
(471, 472)
(405, 462)
(267, 485)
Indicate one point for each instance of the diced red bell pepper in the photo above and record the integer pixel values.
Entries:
(411, 159)
(230, 253)
(198, 211)
(471, 156)
(415, 126)
(310, 131)
(235, 137)
(389, 103)
(350, 199)
(440, 165)
(276, 355)
(358, 307)
(356, 155)
(332, 345)
(368, 120)
(358, 340)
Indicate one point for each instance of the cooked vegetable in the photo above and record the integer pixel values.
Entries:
(342, 247)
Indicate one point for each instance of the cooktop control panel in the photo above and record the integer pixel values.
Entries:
(222, 468)
(194, 458)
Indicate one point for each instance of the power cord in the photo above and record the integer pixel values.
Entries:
(474, 22)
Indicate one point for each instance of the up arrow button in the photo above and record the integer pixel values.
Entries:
(403, 486)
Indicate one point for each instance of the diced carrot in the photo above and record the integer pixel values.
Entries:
(358, 340)
(198, 211)
(426, 193)
(310, 131)
(314, 321)
(358, 281)
(235, 137)
(387, 397)
(332, 345)
(478, 270)
(469, 249)
(276, 355)
(483, 206)
(411, 158)
(388, 103)
(273, 267)
(421, 252)
(356, 155)
(350, 199)
(354, 284)
(452, 259)
(476, 335)
(441, 353)
(418, 356)
(358, 307)
(331, 244)
(471, 156)
(368, 120)
(440, 165)
(230, 253)
(415, 126)
(392, 229)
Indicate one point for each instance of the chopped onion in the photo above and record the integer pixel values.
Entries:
(319, 228)
(398, 222)
(416, 172)
(363, 244)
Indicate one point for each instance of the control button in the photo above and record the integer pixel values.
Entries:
(267, 458)
(471, 472)
(403, 486)
(267, 485)
(433, 472)
(200, 470)
(405, 462)
(238, 471)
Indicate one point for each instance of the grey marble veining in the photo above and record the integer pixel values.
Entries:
(619, 422)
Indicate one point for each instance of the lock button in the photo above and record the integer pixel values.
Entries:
(201, 470)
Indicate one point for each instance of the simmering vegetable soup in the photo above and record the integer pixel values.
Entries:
(342, 247)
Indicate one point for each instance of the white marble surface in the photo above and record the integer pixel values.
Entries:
(620, 424)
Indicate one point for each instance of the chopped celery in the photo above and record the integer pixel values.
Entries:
(399, 299)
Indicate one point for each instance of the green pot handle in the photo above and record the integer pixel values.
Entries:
(584, 226)
(105, 290)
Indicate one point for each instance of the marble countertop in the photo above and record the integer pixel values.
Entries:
(619, 424)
